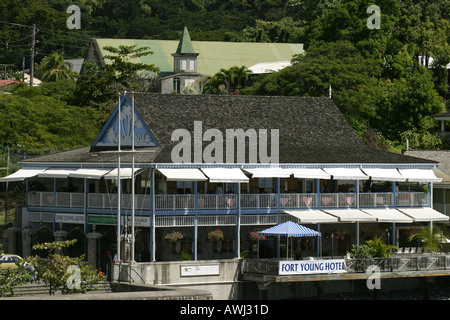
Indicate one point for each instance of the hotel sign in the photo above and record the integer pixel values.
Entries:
(311, 266)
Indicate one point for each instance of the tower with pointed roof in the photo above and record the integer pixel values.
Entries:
(184, 75)
(185, 58)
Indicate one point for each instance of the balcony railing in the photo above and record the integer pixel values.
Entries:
(173, 202)
(395, 263)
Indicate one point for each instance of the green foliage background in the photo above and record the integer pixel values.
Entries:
(375, 74)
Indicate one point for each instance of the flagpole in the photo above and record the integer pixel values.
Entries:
(118, 186)
(132, 181)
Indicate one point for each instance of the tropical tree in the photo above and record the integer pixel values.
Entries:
(100, 85)
(63, 273)
(431, 238)
(227, 80)
(54, 68)
(11, 278)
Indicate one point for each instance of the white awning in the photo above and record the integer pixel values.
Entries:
(419, 175)
(56, 173)
(269, 172)
(346, 173)
(225, 175)
(125, 173)
(22, 174)
(310, 173)
(89, 173)
(351, 215)
(311, 216)
(384, 174)
(389, 215)
(183, 174)
(424, 214)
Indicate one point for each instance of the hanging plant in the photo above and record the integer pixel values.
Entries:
(216, 235)
(253, 236)
(173, 236)
(338, 234)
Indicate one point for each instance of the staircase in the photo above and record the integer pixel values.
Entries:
(33, 289)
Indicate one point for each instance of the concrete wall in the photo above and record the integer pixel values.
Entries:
(223, 283)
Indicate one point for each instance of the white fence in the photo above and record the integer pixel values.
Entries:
(229, 201)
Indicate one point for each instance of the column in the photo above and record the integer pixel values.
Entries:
(27, 234)
(60, 235)
(93, 240)
(10, 236)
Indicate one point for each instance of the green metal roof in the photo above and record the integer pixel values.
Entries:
(213, 55)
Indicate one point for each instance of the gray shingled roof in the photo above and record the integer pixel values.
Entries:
(312, 130)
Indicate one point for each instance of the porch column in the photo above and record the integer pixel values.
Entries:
(394, 194)
(238, 222)
(319, 242)
(430, 192)
(444, 210)
(152, 222)
(86, 204)
(54, 204)
(195, 220)
(318, 193)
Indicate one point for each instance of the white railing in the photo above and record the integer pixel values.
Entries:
(337, 200)
(171, 202)
(412, 199)
(376, 199)
(216, 201)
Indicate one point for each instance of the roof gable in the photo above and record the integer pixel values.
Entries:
(108, 137)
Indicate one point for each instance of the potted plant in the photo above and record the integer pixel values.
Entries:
(173, 236)
(253, 236)
(216, 235)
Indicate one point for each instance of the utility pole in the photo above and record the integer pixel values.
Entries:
(33, 40)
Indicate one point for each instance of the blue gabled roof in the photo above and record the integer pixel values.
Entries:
(108, 137)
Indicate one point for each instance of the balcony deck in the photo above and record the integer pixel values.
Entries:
(226, 203)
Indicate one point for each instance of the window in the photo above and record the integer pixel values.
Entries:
(176, 85)
(192, 64)
(266, 185)
(185, 187)
(183, 64)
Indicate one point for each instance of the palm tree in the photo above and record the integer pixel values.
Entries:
(54, 68)
(430, 238)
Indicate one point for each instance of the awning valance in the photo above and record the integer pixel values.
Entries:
(309, 173)
(125, 173)
(311, 216)
(56, 173)
(385, 174)
(22, 174)
(183, 174)
(419, 175)
(89, 173)
(351, 215)
(389, 215)
(346, 173)
(424, 214)
(225, 175)
(269, 172)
